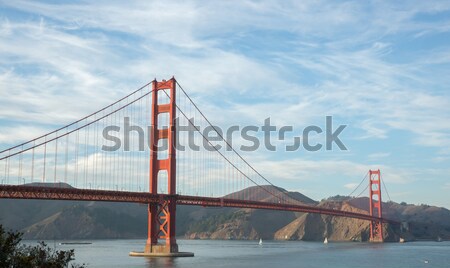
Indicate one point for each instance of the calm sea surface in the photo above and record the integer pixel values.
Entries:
(114, 253)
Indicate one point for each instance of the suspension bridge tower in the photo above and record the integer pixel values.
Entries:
(376, 227)
(161, 215)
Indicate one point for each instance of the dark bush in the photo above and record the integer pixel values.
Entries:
(15, 255)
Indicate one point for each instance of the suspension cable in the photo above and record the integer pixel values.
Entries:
(359, 184)
(385, 188)
(73, 130)
(229, 146)
(226, 159)
(362, 191)
(73, 123)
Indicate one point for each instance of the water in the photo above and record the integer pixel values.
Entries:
(210, 253)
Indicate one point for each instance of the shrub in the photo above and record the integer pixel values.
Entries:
(15, 255)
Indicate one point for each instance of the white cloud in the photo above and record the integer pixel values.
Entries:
(376, 156)
(351, 186)
(298, 169)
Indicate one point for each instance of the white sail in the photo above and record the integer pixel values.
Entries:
(260, 241)
(325, 241)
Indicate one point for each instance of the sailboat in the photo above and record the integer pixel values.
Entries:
(325, 241)
(260, 241)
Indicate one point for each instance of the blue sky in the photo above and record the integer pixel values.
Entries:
(380, 67)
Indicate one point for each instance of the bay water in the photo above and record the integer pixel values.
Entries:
(234, 253)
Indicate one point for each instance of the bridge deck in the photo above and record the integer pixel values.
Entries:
(56, 193)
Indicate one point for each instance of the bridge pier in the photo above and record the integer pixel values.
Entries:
(161, 215)
(161, 224)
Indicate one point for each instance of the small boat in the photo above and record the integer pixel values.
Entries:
(439, 239)
(402, 240)
(75, 243)
(325, 241)
(260, 241)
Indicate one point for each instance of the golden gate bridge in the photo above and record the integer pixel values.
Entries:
(73, 163)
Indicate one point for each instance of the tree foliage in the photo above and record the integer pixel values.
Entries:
(13, 254)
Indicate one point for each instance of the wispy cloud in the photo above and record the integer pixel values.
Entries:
(350, 186)
(376, 156)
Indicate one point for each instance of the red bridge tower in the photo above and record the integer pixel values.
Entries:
(376, 227)
(161, 216)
